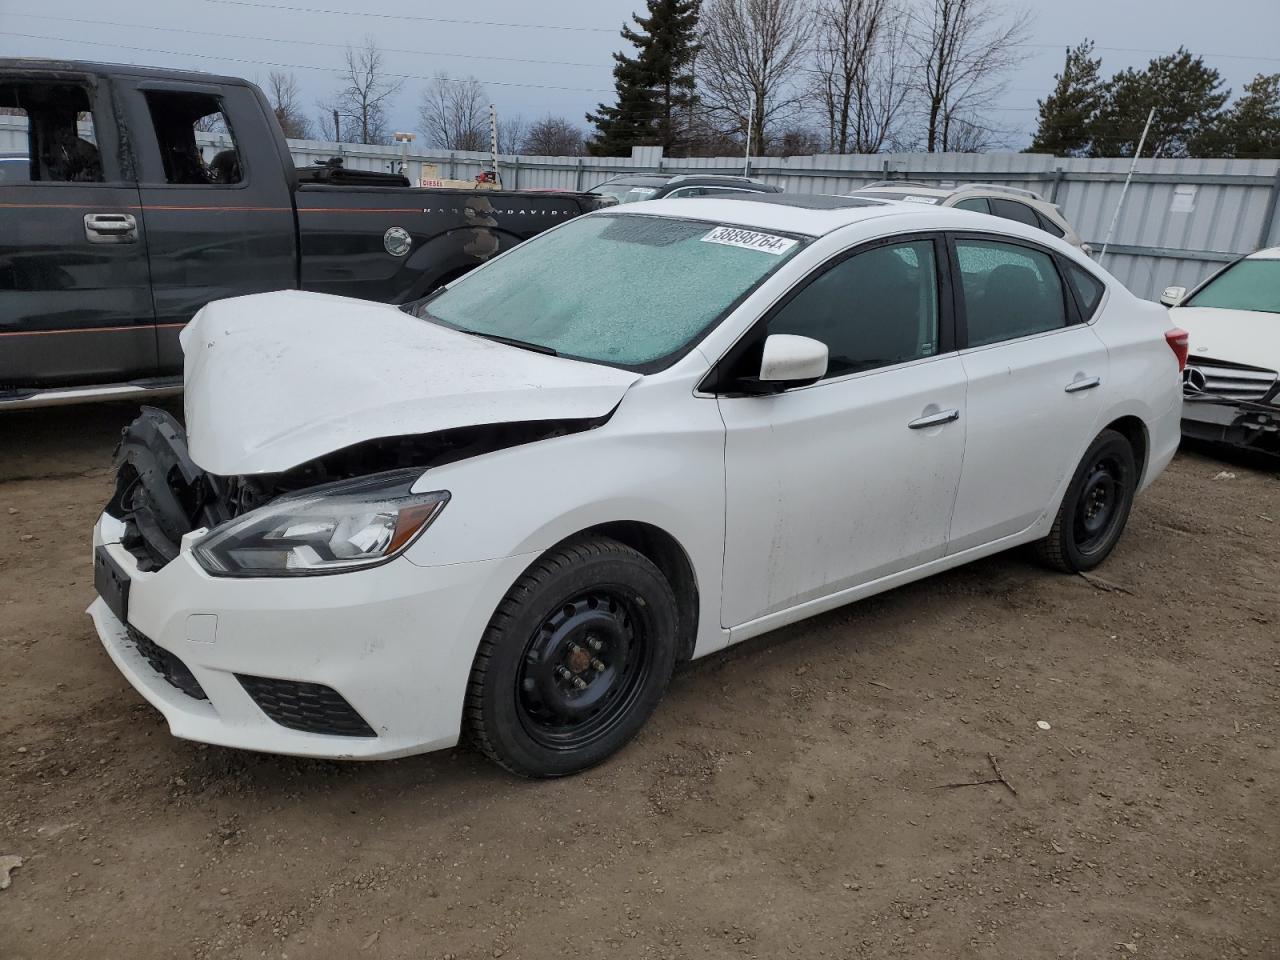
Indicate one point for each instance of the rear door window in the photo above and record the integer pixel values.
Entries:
(197, 146)
(1010, 291)
(1013, 210)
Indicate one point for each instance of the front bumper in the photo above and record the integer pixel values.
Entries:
(395, 642)
(1252, 425)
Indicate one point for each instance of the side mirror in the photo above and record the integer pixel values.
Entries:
(792, 361)
(1172, 296)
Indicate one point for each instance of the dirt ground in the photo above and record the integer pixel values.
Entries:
(791, 798)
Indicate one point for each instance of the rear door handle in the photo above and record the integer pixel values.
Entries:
(111, 227)
(934, 419)
(1087, 383)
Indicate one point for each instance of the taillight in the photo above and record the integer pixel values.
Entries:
(1179, 342)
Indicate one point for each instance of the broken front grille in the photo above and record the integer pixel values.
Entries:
(1230, 381)
(160, 493)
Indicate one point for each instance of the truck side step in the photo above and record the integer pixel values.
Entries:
(28, 397)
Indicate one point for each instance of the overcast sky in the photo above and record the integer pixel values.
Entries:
(554, 56)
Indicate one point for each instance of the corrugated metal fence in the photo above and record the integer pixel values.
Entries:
(1182, 218)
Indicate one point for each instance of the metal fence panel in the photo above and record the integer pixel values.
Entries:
(1182, 219)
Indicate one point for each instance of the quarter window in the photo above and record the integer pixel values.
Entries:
(1009, 291)
(876, 308)
(1087, 288)
(196, 143)
(1048, 226)
(976, 204)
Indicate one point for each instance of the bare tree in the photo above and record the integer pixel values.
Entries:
(282, 91)
(454, 114)
(857, 75)
(365, 94)
(554, 137)
(752, 54)
(963, 49)
(511, 133)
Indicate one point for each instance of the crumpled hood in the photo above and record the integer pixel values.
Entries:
(276, 379)
(1240, 336)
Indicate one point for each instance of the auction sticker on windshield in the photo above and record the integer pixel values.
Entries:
(750, 240)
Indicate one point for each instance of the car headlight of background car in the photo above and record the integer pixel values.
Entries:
(327, 529)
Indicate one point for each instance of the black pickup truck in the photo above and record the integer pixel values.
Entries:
(120, 218)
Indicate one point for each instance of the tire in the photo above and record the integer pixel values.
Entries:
(1095, 507)
(573, 661)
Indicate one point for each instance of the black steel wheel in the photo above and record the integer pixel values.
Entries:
(1095, 508)
(574, 661)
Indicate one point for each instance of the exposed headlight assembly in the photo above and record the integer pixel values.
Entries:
(327, 529)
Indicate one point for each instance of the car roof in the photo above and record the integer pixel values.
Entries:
(16, 66)
(1267, 253)
(812, 215)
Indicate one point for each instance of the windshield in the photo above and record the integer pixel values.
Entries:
(627, 192)
(625, 289)
(1245, 285)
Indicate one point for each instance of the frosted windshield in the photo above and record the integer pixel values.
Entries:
(622, 289)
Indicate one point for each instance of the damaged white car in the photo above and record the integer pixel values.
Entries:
(1232, 379)
(509, 510)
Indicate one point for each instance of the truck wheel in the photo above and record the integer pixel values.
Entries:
(574, 660)
(1095, 508)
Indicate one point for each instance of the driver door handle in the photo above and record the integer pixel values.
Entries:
(934, 419)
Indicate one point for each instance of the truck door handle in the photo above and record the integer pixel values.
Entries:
(111, 227)
(1085, 383)
(934, 419)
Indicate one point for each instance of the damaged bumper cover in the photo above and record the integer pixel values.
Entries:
(1253, 425)
(366, 664)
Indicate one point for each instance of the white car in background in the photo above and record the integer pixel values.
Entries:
(637, 438)
(1231, 384)
(1008, 203)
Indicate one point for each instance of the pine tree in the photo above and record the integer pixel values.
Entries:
(1188, 99)
(1250, 130)
(655, 88)
(1067, 114)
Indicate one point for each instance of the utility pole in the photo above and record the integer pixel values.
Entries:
(1125, 189)
(493, 142)
(337, 130)
(404, 139)
(751, 116)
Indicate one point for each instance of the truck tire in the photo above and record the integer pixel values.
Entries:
(573, 661)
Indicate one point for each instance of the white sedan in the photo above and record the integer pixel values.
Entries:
(1232, 378)
(507, 511)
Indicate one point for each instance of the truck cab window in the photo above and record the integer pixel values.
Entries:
(61, 143)
(195, 140)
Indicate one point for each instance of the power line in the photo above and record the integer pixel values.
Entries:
(415, 17)
(307, 43)
(1059, 46)
(294, 66)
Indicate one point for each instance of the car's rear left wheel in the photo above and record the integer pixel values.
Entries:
(1095, 508)
(574, 660)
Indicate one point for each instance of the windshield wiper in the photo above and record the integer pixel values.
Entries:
(513, 342)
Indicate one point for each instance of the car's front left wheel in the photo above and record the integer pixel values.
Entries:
(574, 660)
